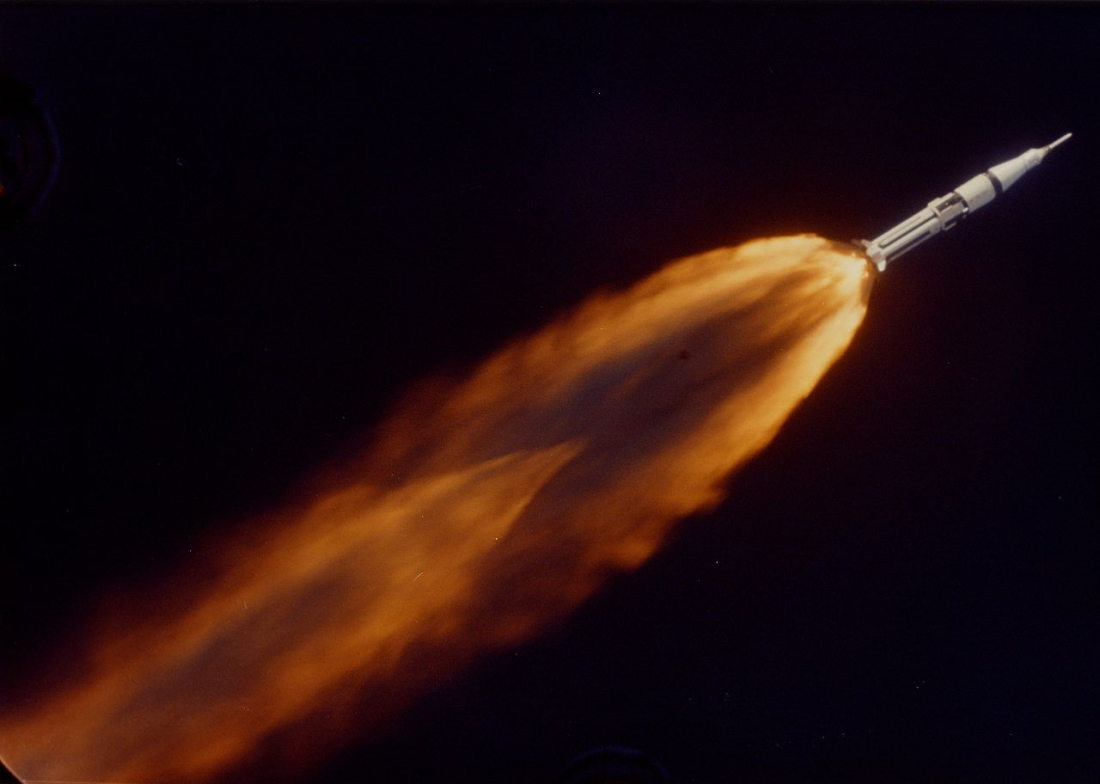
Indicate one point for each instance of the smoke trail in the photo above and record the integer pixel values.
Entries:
(485, 509)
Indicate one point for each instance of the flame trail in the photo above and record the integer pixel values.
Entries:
(485, 509)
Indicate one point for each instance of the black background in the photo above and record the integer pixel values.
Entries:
(270, 219)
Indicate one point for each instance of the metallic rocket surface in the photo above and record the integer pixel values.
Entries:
(943, 213)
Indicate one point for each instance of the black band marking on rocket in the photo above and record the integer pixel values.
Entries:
(997, 187)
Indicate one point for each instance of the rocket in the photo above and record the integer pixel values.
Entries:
(943, 213)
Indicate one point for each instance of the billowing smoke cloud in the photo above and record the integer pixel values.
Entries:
(486, 508)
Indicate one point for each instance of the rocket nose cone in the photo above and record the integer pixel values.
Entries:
(1055, 143)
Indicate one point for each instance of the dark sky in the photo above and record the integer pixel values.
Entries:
(268, 220)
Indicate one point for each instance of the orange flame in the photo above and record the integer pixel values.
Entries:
(485, 509)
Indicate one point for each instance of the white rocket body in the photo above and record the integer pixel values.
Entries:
(943, 213)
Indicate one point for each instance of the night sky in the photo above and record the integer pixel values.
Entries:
(269, 220)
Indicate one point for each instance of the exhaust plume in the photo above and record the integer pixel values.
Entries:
(485, 509)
